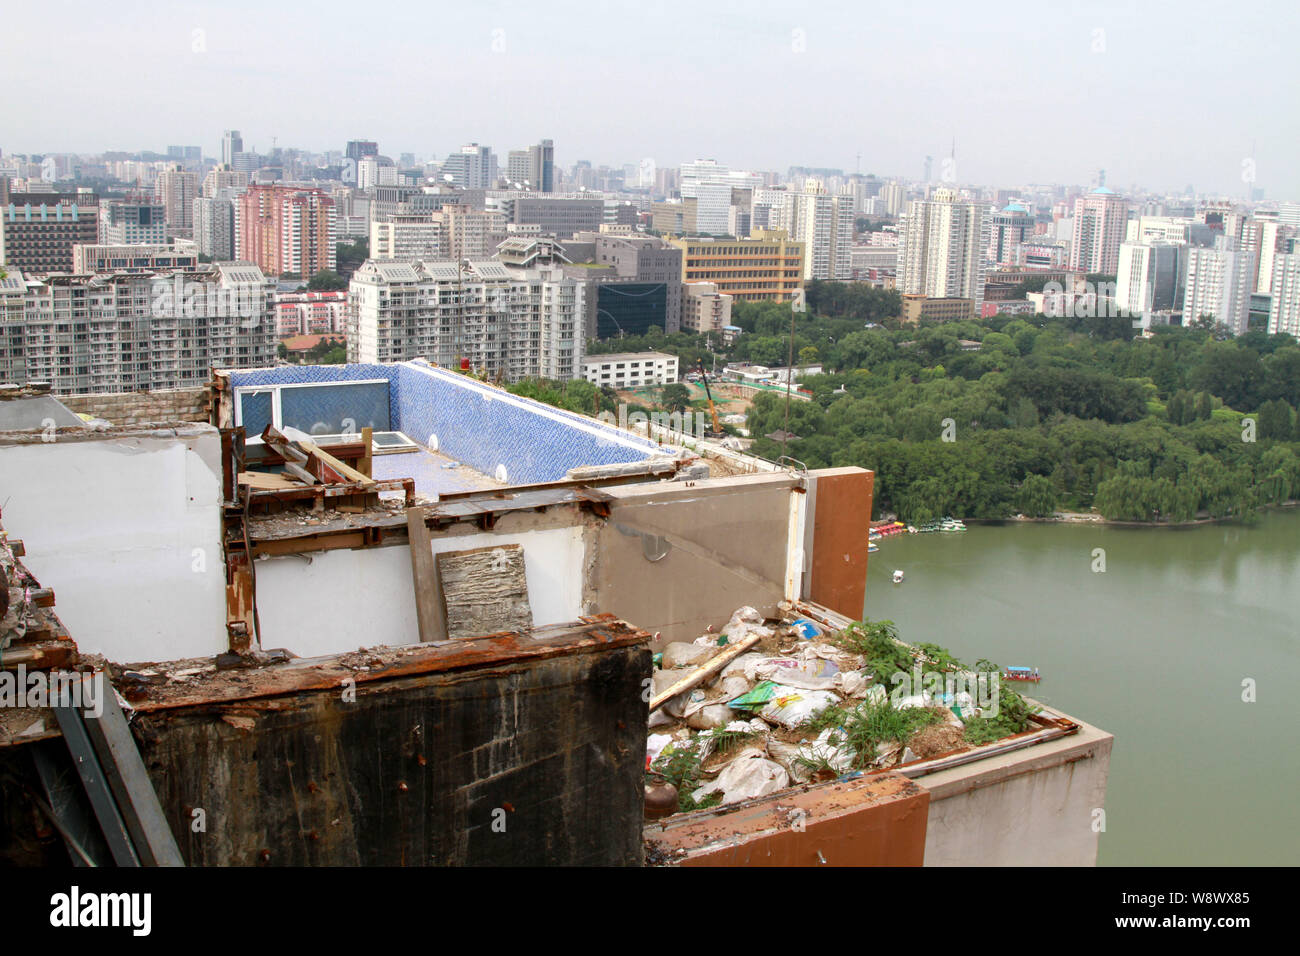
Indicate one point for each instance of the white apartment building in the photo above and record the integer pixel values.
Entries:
(622, 370)
(517, 323)
(410, 237)
(704, 308)
(89, 334)
(1285, 286)
(219, 180)
(177, 190)
(942, 245)
(1219, 283)
(824, 224)
(214, 227)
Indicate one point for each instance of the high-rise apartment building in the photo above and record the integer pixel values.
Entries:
(1100, 225)
(1011, 226)
(824, 224)
(39, 230)
(223, 178)
(127, 221)
(1285, 291)
(177, 189)
(88, 334)
(409, 237)
(1219, 283)
(517, 323)
(286, 230)
(214, 226)
(943, 242)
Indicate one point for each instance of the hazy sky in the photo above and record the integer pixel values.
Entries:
(1160, 94)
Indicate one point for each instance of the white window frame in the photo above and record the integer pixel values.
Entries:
(276, 416)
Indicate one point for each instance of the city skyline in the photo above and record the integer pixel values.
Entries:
(1028, 96)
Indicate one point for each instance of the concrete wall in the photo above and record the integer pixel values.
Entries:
(126, 527)
(301, 603)
(1032, 807)
(675, 557)
(134, 408)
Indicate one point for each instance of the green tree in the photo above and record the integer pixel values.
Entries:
(1036, 497)
(326, 281)
(676, 397)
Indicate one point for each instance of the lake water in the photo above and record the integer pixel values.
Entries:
(1154, 649)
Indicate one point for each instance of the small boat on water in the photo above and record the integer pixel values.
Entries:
(1021, 673)
(948, 524)
(872, 548)
(898, 577)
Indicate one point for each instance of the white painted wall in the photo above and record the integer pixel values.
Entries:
(127, 531)
(346, 599)
(998, 815)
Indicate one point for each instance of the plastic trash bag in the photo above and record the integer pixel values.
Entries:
(751, 774)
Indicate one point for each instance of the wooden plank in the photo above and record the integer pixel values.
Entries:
(265, 481)
(424, 573)
(485, 590)
(703, 673)
(300, 472)
(347, 471)
(367, 462)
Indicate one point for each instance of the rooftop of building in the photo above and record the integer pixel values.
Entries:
(627, 357)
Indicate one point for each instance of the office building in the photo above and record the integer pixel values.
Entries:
(231, 145)
(765, 267)
(704, 308)
(131, 258)
(1013, 225)
(1151, 279)
(621, 370)
(39, 230)
(474, 167)
(129, 221)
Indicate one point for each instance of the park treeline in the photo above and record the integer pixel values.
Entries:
(1030, 415)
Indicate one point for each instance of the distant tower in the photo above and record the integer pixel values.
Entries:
(1101, 178)
(929, 166)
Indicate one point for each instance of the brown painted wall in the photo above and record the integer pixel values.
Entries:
(877, 820)
(841, 526)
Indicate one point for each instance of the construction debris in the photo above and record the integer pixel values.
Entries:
(767, 704)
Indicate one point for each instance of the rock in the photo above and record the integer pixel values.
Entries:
(714, 715)
(734, 686)
(742, 663)
(679, 654)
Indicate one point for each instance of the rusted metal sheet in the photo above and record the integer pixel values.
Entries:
(589, 634)
(501, 755)
(870, 821)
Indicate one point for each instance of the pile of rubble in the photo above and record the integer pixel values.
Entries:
(765, 705)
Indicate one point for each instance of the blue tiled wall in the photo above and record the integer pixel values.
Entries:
(482, 427)
(477, 424)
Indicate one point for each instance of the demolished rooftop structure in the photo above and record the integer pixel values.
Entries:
(388, 614)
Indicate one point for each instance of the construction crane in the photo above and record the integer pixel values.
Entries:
(717, 431)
